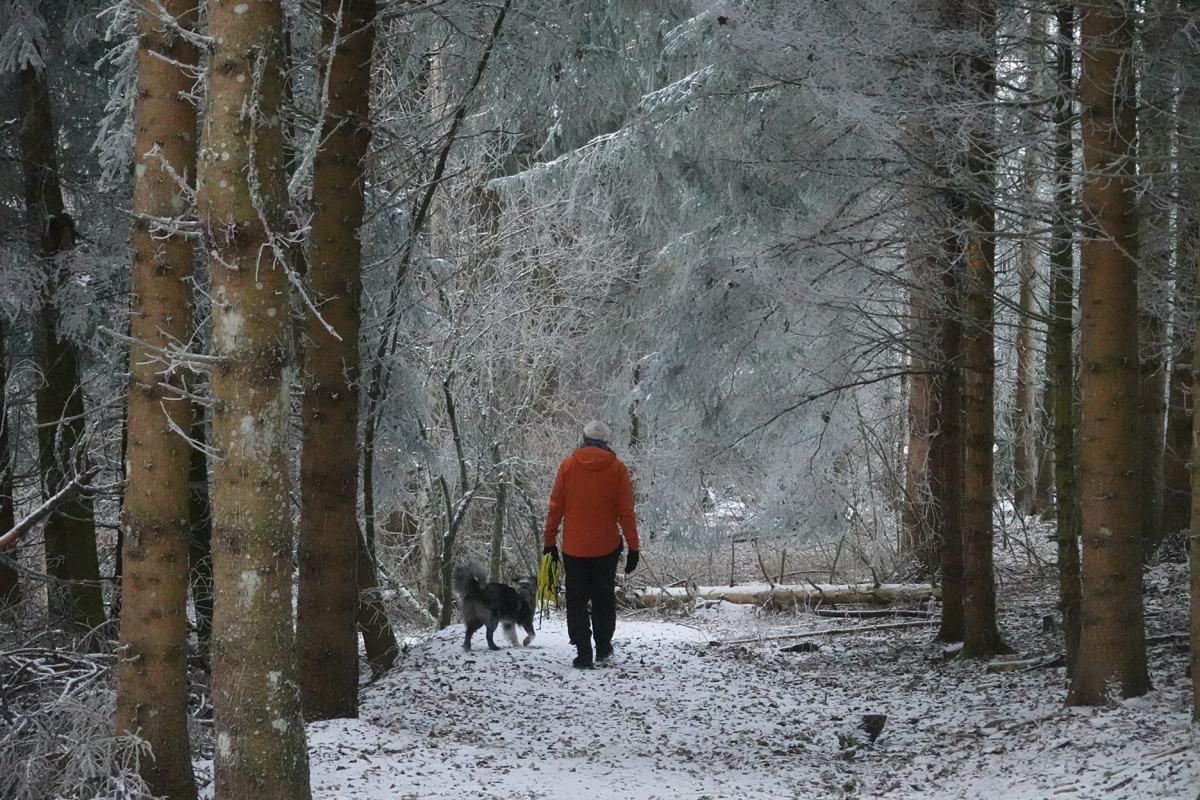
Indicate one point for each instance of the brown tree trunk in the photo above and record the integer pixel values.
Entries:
(326, 636)
(260, 747)
(945, 457)
(1060, 360)
(10, 584)
(918, 521)
(981, 637)
(1177, 453)
(69, 533)
(1112, 651)
(152, 688)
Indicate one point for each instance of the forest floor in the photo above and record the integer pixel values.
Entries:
(709, 705)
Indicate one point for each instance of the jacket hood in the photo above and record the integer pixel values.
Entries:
(594, 457)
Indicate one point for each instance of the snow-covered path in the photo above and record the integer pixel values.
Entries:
(675, 717)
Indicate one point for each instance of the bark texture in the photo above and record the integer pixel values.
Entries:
(152, 689)
(1112, 654)
(328, 594)
(981, 637)
(260, 747)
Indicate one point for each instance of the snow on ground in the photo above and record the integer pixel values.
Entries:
(676, 715)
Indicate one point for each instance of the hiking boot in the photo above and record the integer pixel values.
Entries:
(582, 662)
(603, 652)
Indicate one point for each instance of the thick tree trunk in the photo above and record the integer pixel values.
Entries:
(152, 688)
(260, 742)
(326, 636)
(1112, 653)
(378, 638)
(981, 637)
(69, 534)
(10, 584)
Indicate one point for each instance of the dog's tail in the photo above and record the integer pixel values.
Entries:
(469, 577)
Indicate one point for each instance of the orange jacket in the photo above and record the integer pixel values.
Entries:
(592, 492)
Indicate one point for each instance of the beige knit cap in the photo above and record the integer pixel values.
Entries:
(598, 430)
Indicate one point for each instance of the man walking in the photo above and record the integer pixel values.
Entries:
(592, 493)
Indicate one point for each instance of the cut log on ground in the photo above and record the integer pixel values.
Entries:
(781, 595)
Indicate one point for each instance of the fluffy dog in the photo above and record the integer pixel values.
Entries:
(493, 604)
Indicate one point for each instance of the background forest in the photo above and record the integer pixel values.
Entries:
(309, 298)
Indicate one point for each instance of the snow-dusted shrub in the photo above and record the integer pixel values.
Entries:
(56, 730)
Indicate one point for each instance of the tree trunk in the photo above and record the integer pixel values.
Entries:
(10, 584)
(152, 687)
(328, 594)
(918, 521)
(945, 469)
(981, 637)
(1112, 652)
(1177, 453)
(1060, 360)
(260, 742)
(69, 533)
(1027, 427)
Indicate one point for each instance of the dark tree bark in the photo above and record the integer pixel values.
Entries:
(260, 747)
(981, 636)
(1060, 360)
(328, 594)
(945, 469)
(10, 584)
(1112, 651)
(70, 533)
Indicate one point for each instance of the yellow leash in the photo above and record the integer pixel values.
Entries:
(547, 587)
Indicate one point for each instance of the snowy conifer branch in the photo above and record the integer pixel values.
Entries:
(174, 356)
(73, 486)
(209, 451)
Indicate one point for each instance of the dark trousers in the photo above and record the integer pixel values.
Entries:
(591, 580)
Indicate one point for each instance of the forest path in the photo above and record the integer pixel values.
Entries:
(675, 717)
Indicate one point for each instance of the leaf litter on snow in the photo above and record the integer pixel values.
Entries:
(678, 714)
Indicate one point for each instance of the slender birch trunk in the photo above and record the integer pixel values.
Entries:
(260, 747)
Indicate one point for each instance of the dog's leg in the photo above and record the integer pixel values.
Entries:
(510, 633)
(528, 629)
(470, 633)
(491, 629)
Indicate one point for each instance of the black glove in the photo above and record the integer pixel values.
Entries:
(631, 561)
(551, 551)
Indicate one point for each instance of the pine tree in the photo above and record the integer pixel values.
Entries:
(152, 693)
(260, 747)
(69, 533)
(1112, 651)
(328, 554)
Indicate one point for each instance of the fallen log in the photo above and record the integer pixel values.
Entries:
(784, 595)
(827, 632)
